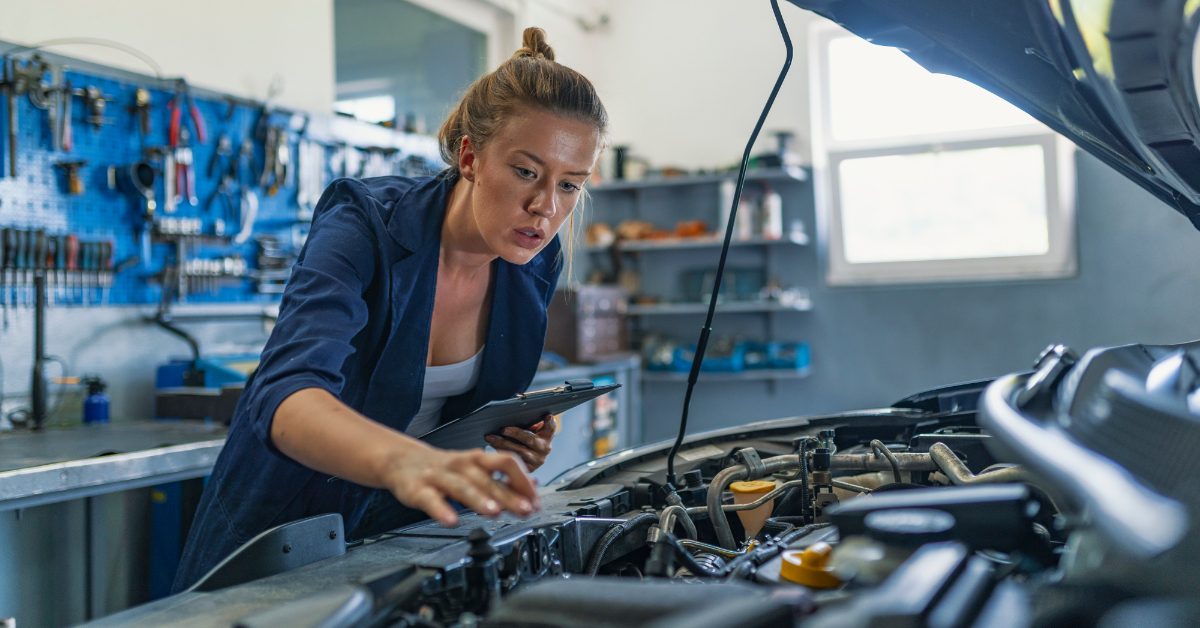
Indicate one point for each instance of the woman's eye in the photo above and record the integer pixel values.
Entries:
(524, 173)
(567, 186)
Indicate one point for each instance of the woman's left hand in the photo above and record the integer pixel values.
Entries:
(532, 445)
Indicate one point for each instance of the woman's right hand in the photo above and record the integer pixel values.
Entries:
(488, 483)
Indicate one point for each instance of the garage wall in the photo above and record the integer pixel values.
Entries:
(1137, 283)
(225, 45)
(687, 93)
(684, 81)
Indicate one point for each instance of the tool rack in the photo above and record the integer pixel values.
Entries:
(122, 188)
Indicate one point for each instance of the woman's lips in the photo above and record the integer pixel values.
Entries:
(528, 238)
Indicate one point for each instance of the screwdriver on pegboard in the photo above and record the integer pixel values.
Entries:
(72, 263)
(49, 257)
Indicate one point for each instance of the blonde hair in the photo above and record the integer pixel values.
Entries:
(530, 78)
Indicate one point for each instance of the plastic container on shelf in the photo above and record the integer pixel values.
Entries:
(732, 361)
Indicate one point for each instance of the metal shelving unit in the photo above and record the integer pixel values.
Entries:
(717, 376)
(733, 307)
(766, 174)
(714, 242)
(635, 197)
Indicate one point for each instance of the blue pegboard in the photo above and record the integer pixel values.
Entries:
(37, 198)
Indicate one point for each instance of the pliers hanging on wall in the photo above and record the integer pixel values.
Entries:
(178, 137)
(181, 99)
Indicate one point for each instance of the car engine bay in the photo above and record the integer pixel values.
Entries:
(1029, 500)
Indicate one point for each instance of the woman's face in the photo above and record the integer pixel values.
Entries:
(527, 180)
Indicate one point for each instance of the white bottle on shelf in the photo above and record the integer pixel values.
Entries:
(772, 215)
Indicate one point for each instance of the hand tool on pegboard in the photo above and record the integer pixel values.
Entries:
(185, 174)
(179, 176)
(106, 270)
(49, 263)
(60, 268)
(14, 87)
(67, 132)
(24, 240)
(38, 258)
(183, 99)
(87, 269)
(223, 166)
(141, 108)
(137, 181)
(96, 104)
(75, 184)
(310, 176)
(275, 161)
(71, 264)
(43, 94)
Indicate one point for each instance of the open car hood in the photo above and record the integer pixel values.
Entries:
(1117, 77)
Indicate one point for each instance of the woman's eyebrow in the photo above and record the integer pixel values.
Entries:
(539, 161)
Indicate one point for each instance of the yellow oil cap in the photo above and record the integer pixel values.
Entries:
(810, 567)
(752, 487)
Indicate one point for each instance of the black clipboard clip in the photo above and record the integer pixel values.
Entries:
(571, 385)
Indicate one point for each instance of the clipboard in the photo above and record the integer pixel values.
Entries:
(523, 410)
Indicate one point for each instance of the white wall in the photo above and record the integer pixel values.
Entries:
(685, 80)
(227, 45)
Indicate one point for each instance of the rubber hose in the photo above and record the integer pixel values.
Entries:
(611, 536)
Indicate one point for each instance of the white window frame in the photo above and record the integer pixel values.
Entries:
(1058, 261)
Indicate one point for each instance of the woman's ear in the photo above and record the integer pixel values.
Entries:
(466, 159)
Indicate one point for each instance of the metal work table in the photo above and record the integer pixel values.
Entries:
(64, 463)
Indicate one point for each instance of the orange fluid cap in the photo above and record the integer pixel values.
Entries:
(752, 487)
(810, 567)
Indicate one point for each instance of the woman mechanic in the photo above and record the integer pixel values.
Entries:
(413, 301)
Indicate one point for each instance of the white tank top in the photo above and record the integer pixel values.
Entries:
(441, 383)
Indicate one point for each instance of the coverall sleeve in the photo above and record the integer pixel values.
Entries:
(322, 308)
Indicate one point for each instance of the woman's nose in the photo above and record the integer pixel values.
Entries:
(543, 205)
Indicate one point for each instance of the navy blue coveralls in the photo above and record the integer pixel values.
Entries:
(354, 320)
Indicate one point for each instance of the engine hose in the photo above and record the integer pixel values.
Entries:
(611, 536)
(779, 528)
(673, 513)
(686, 559)
(723, 479)
(959, 474)
(878, 447)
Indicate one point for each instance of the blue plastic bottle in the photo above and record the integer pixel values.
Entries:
(95, 406)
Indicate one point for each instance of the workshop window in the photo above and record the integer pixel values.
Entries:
(924, 177)
(374, 109)
(406, 62)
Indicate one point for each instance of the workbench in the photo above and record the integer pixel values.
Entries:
(71, 511)
(66, 463)
(63, 463)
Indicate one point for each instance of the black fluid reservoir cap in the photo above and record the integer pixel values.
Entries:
(909, 527)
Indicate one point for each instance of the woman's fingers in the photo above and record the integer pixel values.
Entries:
(527, 438)
(430, 501)
(508, 499)
(458, 488)
(517, 479)
(531, 458)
